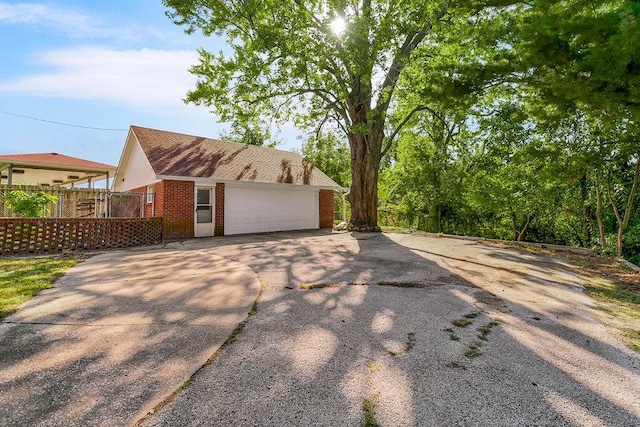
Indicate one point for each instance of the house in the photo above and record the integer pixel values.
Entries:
(205, 187)
(52, 170)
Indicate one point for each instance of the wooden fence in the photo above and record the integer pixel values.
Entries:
(53, 235)
(80, 202)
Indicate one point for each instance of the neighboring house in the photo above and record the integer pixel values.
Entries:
(205, 187)
(52, 170)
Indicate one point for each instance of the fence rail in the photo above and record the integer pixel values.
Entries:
(53, 235)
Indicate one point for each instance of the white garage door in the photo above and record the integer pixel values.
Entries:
(256, 210)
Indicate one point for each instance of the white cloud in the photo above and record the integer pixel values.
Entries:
(142, 78)
(33, 13)
(75, 22)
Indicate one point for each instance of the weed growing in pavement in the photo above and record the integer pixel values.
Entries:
(472, 315)
(369, 405)
(473, 351)
(461, 323)
(486, 329)
(456, 365)
(373, 366)
(411, 340)
(370, 402)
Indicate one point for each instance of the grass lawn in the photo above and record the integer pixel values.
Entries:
(23, 278)
(616, 289)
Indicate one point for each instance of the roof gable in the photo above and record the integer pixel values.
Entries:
(187, 156)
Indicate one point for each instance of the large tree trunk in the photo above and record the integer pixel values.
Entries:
(363, 195)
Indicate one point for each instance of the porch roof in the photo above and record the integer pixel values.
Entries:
(52, 169)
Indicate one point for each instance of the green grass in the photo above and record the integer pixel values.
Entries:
(23, 278)
(627, 302)
(634, 337)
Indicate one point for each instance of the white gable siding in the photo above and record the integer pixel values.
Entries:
(134, 170)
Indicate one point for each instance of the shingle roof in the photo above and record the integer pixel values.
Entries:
(54, 160)
(180, 155)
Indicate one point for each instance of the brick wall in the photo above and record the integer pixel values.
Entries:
(178, 207)
(151, 209)
(326, 208)
(174, 202)
(219, 210)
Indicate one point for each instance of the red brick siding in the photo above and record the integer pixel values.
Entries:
(174, 202)
(219, 209)
(178, 207)
(151, 209)
(326, 208)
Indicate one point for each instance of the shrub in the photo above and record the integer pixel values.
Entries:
(31, 205)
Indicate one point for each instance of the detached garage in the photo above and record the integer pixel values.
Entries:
(206, 187)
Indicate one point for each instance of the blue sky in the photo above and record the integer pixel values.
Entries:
(104, 64)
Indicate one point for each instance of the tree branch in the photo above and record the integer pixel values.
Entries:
(411, 42)
(632, 195)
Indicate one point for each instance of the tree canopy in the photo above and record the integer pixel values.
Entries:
(286, 62)
(493, 118)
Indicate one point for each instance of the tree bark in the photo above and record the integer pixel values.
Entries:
(603, 239)
(364, 185)
(586, 229)
(623, 222)
(623, 219)
(525, 227)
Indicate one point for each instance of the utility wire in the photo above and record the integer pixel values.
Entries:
(62, 124)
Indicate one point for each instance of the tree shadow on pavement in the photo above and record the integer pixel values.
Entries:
(116, 335)
(374, 335)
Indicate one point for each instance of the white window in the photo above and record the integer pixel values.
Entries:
(149, 193)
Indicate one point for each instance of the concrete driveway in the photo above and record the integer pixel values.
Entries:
(351, 329)
(117, 334)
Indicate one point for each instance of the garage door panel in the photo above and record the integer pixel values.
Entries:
(254, 210)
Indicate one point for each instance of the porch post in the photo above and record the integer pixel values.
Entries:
(107, 197)
(9, 175)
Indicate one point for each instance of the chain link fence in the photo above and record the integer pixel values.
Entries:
(81, 202)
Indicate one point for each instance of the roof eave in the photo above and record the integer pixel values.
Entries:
(204, 180)
(52, 166)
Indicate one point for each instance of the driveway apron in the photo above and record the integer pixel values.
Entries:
(117, 334)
